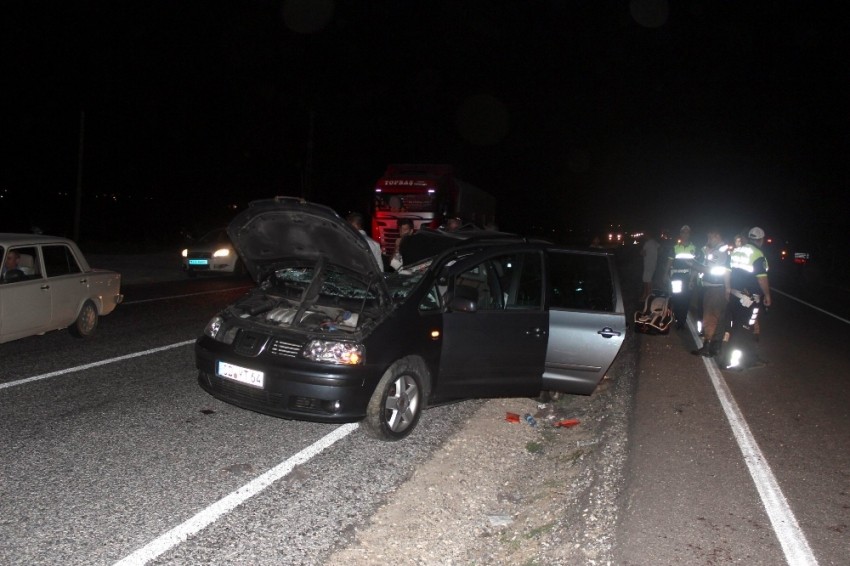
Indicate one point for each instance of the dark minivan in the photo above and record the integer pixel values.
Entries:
(327, 336)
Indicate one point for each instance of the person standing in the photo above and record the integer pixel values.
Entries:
(356, 220)
(405, 229)
(714, 279)
(649, 251)
(750, 294)
(680, 263)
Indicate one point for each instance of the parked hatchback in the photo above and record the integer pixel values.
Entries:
(326, 337)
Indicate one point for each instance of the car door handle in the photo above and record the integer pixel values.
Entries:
(608, 332)
(536, 332)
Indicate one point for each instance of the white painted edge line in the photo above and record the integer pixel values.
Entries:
(791, 537)
(221, 507)
(92, 365)
(810, 305)
(168, 298)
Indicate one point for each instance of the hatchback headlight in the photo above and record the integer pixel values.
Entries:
(333, 352)
(223, 252)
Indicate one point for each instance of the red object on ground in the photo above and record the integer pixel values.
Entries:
(566, 423)
(512, 417)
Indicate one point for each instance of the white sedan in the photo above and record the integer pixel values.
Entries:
(213, 253)
(46, 284)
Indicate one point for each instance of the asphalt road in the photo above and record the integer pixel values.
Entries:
(111, 451)
(743, 467)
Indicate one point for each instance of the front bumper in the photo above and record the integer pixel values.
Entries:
(292, 389)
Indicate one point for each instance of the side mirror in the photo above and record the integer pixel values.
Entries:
(462, 304)
(464, 299)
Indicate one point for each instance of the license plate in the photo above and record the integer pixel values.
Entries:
(247, 376)
(199, 262)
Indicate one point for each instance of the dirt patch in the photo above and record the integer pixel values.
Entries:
(499, 492)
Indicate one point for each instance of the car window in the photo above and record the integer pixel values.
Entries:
(520, 280)
(431, 302)
(580, 281)
(28, 264)
(479, 284)
(58, 260)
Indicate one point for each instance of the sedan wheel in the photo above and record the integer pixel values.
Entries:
(86, 322)
(396, 404)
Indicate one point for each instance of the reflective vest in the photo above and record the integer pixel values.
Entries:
(748, 264)
(715, 265)
(683, 256)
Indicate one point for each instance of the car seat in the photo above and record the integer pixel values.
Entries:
(656, 316)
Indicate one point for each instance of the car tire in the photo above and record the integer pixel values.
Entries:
(86, 322)
(397, 402)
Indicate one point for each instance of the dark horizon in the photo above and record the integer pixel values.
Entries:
(648, 114)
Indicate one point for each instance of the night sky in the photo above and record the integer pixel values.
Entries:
(575, 114)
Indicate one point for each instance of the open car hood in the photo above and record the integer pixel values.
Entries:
(274, 232)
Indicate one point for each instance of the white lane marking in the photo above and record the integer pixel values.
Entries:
(93, 365)
(168, 298)
(844, 320)
(791, 538)
(203, 519)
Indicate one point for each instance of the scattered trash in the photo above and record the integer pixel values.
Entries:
(512, 417)
(500, 520)
(567, 423)
(581, 443)
(530, 420)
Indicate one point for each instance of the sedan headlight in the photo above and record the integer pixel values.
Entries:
(343, 353)
(223, 252)
(185, 252)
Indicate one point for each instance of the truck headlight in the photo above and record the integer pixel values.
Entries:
(333, 352)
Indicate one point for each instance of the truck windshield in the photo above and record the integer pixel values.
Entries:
(404, 202)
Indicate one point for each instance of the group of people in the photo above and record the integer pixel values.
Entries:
(731, 287)
(405, 229)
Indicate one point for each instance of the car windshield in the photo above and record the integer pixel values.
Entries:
(215, 237)
(402, 283)
(292, 281)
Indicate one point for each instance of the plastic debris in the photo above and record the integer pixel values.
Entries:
(567, 423)
(530, 420)
(512, 417)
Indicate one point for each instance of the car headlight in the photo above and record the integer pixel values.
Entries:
(223, 252)
(343, 353)
(214, 327)
(185, 253)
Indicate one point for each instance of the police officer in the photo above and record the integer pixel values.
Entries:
(750, 294)
(680, 262)
(715, 282)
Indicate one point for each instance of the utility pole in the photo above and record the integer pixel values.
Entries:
(78, 199)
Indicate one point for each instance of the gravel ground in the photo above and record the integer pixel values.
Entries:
(508, 493)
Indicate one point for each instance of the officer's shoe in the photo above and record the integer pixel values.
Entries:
(714, 348)
(704, 351)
